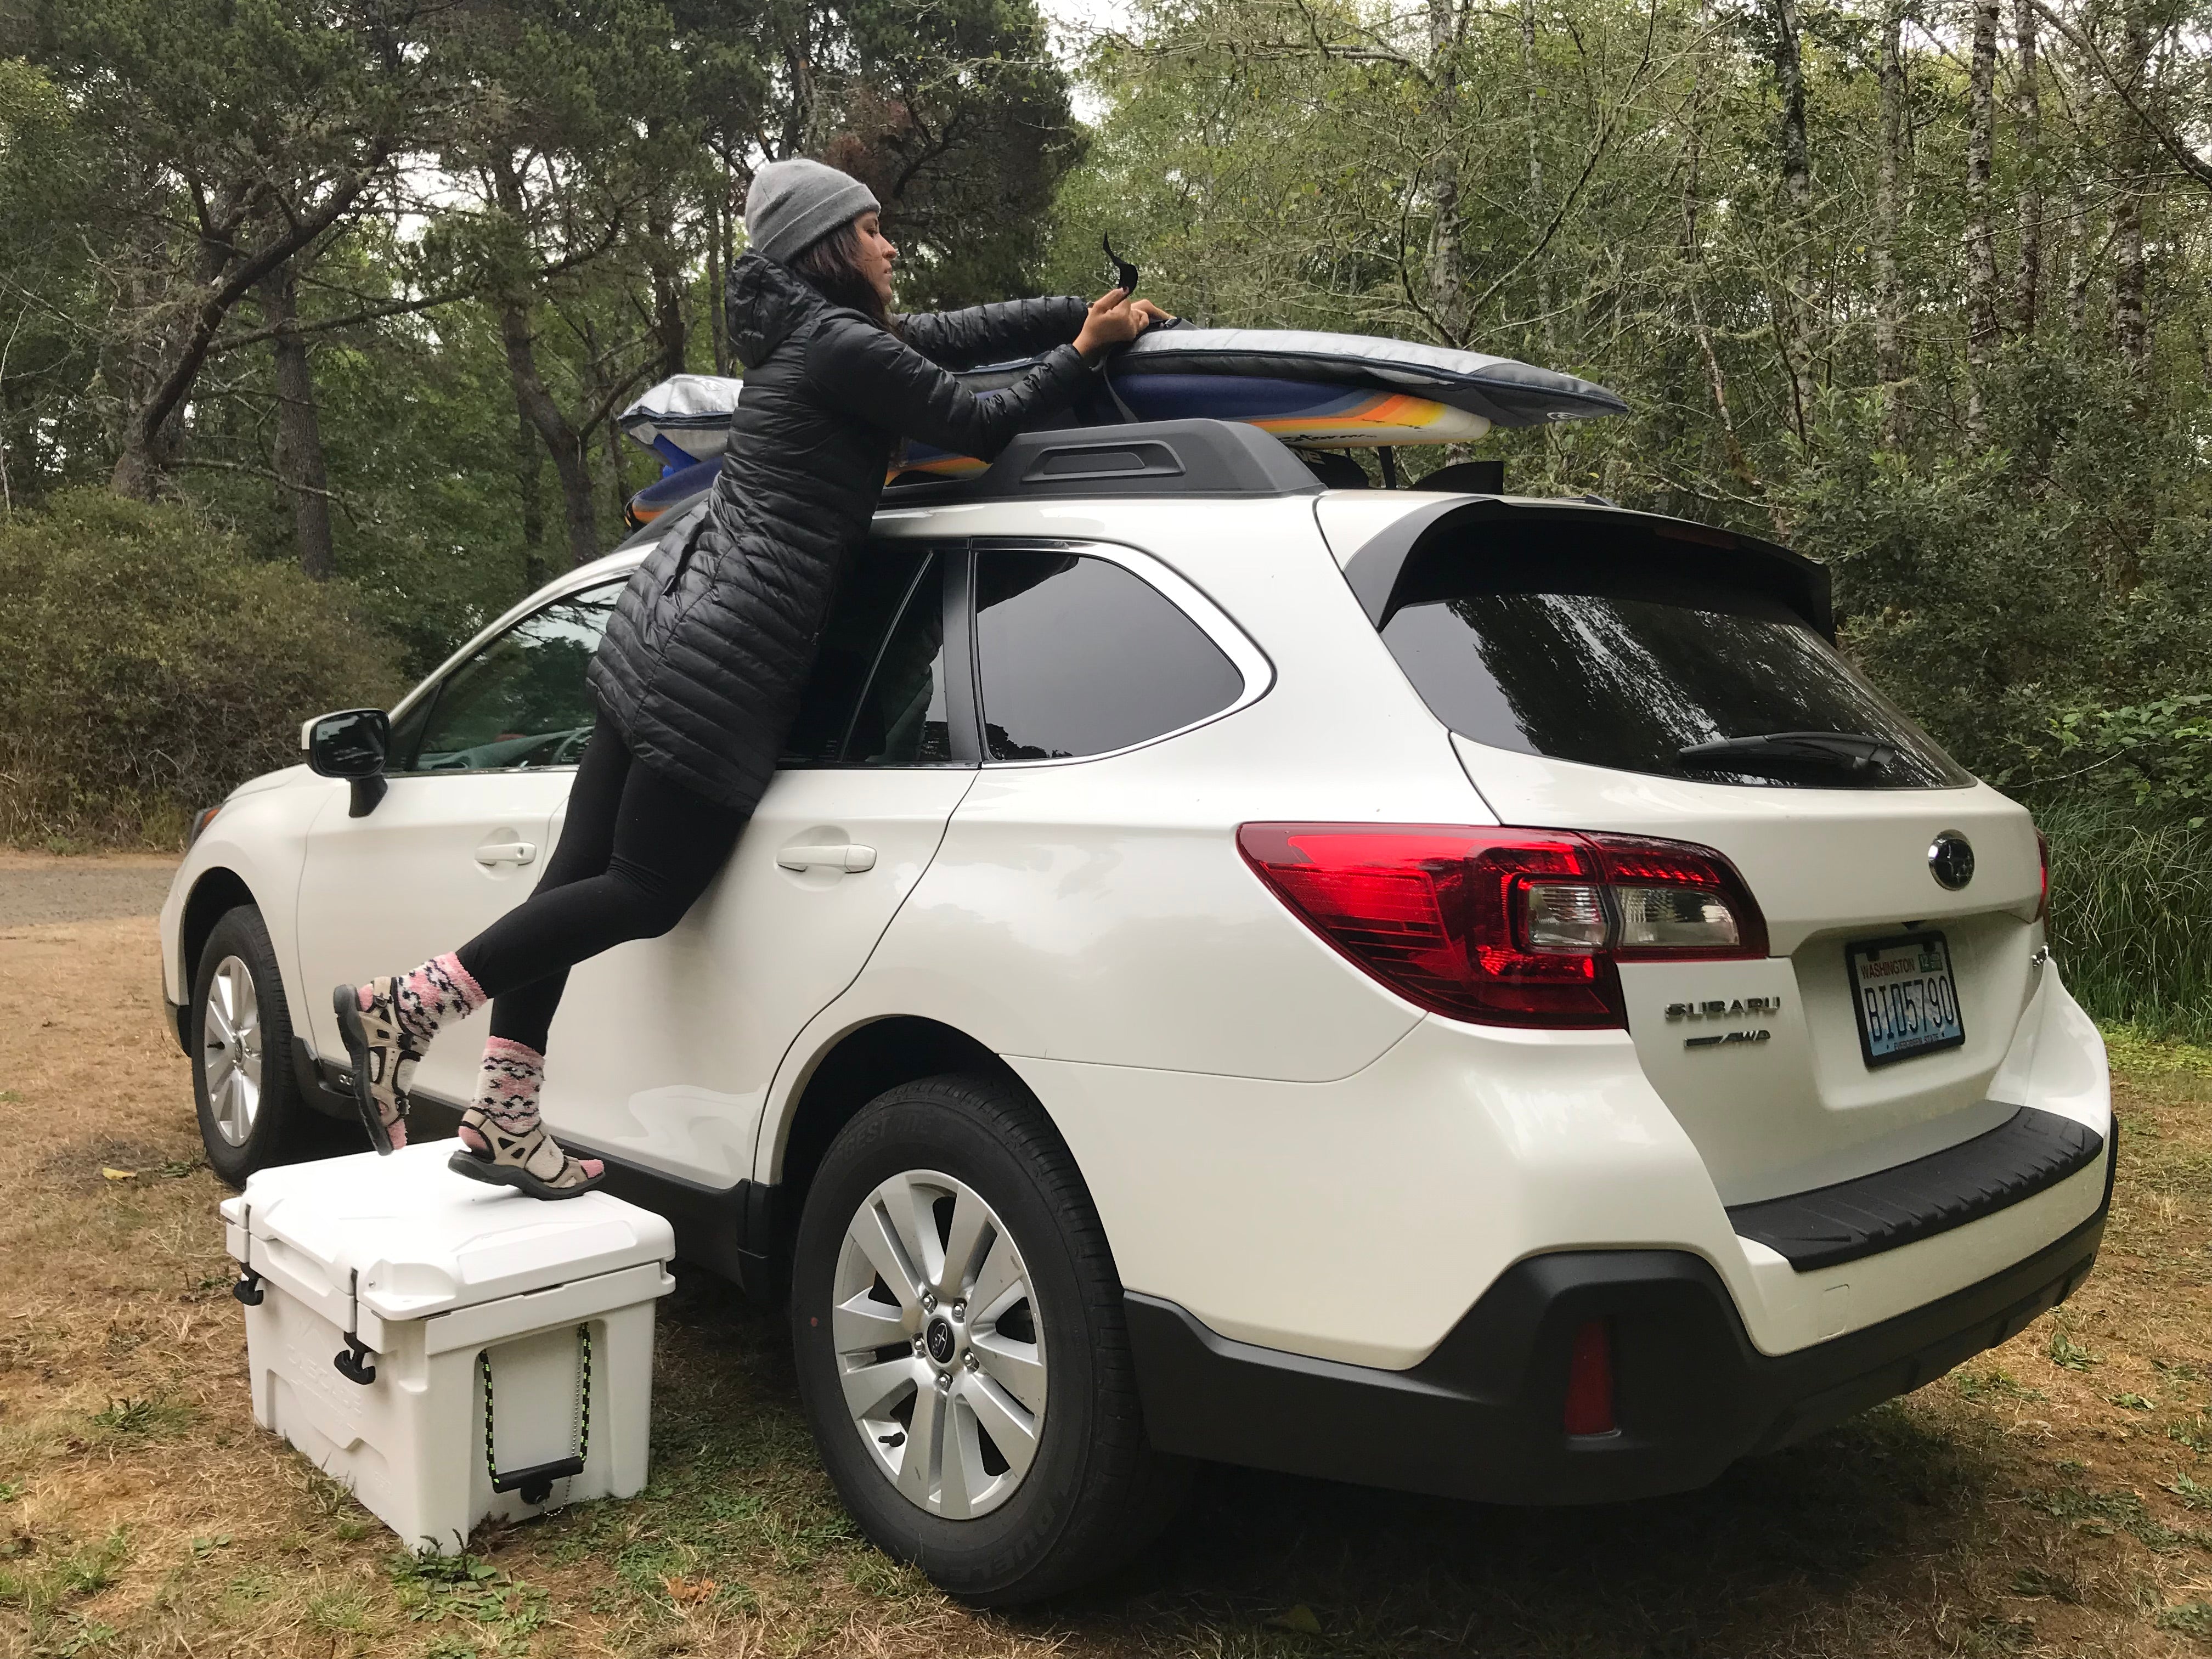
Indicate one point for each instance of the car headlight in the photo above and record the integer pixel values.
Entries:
(200, 821)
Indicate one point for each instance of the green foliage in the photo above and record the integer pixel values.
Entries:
(2016, 515)
(2131, 915)
(139, 1419)
(152, 666)
(2160, 752)
(2068, 1355)
(1994, 1383)
(2192, 1618)
(2190, 1492)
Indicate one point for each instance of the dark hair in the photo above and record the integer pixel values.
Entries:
(831, 265)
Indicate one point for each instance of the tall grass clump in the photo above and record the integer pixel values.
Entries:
(148, 665)
(2131, 914)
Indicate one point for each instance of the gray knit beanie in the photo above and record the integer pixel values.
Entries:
(792, 205)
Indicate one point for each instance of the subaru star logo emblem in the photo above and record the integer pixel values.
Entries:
(1951, 858)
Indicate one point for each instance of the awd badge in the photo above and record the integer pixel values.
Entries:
(1748, 1008)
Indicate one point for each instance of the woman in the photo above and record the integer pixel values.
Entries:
(698, 677)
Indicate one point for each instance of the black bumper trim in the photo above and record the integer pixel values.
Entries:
(1481, 1416)
(2029, 1153)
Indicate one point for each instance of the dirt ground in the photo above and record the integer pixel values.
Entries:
(2054, 1497)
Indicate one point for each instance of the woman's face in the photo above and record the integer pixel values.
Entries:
(877, 254)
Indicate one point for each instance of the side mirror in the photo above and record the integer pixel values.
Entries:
(351, 743)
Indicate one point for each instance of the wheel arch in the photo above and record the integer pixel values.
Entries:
(218, 891)
(852, 1070)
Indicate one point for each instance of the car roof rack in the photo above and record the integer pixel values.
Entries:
(1170, 458)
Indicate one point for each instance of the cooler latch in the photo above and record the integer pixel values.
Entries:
(354, 1363)
(248, 1288)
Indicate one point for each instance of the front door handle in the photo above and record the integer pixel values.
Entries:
(848, 856)
(506, 852)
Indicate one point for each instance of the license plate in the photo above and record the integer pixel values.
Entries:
(1907, 999)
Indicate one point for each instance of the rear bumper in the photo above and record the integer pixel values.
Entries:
(1480, 1418)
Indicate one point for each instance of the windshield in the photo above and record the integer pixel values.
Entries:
(1626, 659)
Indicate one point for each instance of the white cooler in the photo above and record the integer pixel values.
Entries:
(448, 1350)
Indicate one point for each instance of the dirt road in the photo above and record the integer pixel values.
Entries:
(2053, 1497)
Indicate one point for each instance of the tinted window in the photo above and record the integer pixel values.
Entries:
(1625, 663)
(520, 702)
(877, 582)
(902, 717)
(1076, 656)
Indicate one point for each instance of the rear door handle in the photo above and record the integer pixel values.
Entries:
(848, 856)
(506, 852)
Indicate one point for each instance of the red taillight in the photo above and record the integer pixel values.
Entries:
(1589, 1381)
(1506, 927)
(2043, 859)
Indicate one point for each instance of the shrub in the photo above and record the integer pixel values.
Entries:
(148, 665)
(2131, 914)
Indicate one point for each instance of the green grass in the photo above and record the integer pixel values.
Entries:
(141, 1420)
(2131, 921)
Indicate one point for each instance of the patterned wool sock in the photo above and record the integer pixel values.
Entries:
(507, 1087)
(439, 990)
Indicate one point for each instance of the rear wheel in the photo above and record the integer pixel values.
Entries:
(251, 1114)
(962, 1351)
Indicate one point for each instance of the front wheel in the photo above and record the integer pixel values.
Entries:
(961, 1351)
(251, 1114)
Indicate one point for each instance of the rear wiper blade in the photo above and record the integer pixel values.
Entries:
(1853, 752)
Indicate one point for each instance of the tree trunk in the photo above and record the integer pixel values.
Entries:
(618, 485)
(2027, 140)
(1447, 270)
(1981, 239)
(229, 273)
(529, 467)
(668, 325)
(561, 440)
(302, 473)
(1889, 219)
(1546, 291)
(1797, 203)
(2077, 266)
(717, 203)
(2131, 330)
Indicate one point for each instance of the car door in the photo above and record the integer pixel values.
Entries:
(480, 764)
(664, 1049)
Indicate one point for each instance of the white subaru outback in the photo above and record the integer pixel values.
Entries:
(1458, 992)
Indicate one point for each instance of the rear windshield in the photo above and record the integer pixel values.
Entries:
(1627, 656)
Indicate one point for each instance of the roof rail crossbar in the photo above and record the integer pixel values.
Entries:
(1193, 457)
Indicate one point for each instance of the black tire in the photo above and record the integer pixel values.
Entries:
(1096, 1492)
(283, 1127)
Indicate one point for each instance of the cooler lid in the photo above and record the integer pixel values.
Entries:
(424, 1240)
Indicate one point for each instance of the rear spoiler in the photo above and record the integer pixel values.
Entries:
(1376, 570)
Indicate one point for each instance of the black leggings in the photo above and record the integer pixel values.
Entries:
(636, 850)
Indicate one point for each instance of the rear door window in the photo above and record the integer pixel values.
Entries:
(878, 581)
(1626, 656)
(903, 715)
(1076, 656)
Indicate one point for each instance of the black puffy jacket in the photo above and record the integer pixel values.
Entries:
(710, 644)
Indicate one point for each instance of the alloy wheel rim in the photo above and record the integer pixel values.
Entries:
(230, 1051)
(940, 1345)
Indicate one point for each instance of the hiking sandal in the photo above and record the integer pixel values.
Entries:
(383, 1059)
(531, 1161)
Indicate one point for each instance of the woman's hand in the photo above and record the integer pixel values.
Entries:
(1114, 320)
